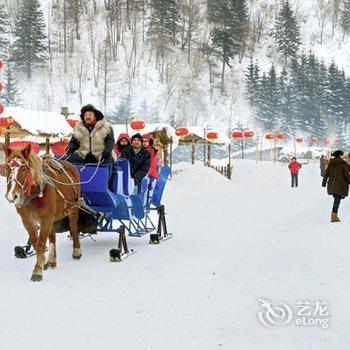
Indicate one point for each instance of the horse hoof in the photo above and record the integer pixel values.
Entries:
(36, 277)
(52, 265)
(77, 253)
(46, 265)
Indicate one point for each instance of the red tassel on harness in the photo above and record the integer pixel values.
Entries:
(28, 184)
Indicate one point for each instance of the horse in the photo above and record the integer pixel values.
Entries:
(43, 194)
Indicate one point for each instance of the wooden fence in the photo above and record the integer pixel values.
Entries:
(224, 170)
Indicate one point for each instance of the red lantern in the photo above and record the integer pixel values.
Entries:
(236, 134)
(1, 86)
(281, 135)
(72, 122)
(22, 144)
(181, 132)
(60, 148)
(212, 135)
(248, 134)
(337, 141)
(6, 122)
(326, 142)
(314, 140)
(2, 63)
(299, 139)
(270, 136)
(137, 124)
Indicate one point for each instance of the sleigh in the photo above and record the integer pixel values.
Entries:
(126, 208)
(115, 204)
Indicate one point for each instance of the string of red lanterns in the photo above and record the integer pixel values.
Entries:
(22, 144)
(137, 124)
(237, 134)
(181, 132)
(59, 148)
(212, 135)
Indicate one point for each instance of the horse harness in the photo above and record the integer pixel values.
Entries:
(47, 166)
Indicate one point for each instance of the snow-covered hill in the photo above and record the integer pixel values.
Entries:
(132, 83)
(234, 242)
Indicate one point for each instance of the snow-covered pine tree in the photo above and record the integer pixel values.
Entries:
(123, 111)
(164, 25)
(228, 36)
(252, 81)
(297, 97)
(4, 30)
(10, 96)
(345, 17)
(311, 106)
(334, 96)
(284, 103)
(287, 32)
(267, 100)
(29, 47)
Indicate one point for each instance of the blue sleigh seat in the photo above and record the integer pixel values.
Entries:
(124, 186)
(124, 202)
(94, 186)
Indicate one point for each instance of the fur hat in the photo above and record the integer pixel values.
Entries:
(90, 108)
(337, 153)
(136, 136)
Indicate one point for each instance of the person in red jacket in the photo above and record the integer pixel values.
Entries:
(122, 142)
(294, 167)
(147, 143)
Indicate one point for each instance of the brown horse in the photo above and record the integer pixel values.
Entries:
(42, 198)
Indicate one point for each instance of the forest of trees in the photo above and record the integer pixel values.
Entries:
(181, 60)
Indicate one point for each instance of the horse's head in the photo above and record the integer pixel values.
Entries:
(19, 174)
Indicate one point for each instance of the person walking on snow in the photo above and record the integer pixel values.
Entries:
(323, 164)
(294, 167)
(337, 179)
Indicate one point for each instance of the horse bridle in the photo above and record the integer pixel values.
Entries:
(15, 165)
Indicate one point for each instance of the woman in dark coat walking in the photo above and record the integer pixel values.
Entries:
(337, 179)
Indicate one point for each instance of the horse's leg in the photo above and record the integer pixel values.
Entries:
(32, 230)
(51, 261)
(45, 230)
(74, 231)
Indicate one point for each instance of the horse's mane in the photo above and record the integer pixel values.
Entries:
(35, 164)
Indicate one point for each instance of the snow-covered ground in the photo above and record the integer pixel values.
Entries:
(234, 242)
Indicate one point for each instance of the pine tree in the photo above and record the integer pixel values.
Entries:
(252, 81)
(29, 48)
(164, 25)
(228, 36)
(267, 100)
(345, 17)
(296, 88)
(287, 33)
(4, 42)
(10, 96)
(123, 111)
(285, 110)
